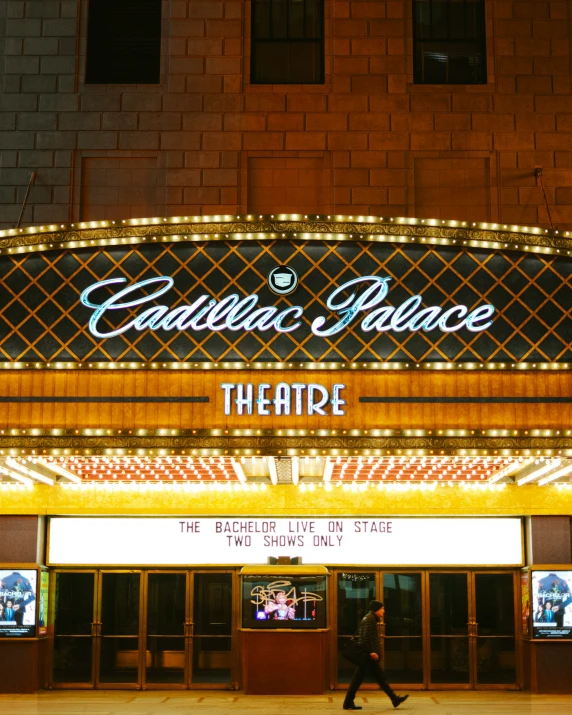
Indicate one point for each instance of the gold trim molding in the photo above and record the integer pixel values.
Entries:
(272, 444)
(300, 227)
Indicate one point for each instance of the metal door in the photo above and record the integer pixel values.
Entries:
(215, 606)
(166, 629)
(119, 657)
(72, 611)
(449, 656)
(403, 634)
(495, 648)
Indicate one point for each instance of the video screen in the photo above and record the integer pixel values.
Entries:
(284, 602)
(18, 603)
(551, 604)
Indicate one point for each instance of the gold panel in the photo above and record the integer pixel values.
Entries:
(289, 501)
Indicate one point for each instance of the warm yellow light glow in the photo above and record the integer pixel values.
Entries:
(556, 475)
(536, 473)
(18, 467)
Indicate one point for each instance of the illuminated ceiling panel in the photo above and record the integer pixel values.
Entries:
(271, 470)
(419, 468)
(89, 469)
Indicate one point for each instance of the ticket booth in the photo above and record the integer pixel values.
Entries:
(284, 634)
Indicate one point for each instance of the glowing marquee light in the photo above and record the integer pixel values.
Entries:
(236, 314)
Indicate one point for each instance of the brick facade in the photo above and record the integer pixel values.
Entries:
(207, 141)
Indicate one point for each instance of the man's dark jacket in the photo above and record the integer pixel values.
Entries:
(368, 634)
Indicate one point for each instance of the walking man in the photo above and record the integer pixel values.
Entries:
(368, 637)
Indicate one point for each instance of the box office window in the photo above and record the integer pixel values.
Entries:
(287, 42)
(449, 41)
(123, 42)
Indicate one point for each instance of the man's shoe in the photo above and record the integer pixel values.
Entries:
(399, 699)
(352, 707)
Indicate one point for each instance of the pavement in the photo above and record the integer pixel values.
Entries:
(121, 702)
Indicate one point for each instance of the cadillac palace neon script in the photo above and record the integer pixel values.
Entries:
(243, 314)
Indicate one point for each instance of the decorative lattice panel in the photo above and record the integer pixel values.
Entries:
(42, 318)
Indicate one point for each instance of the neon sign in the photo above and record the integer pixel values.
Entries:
(242, 314)
(316, 397)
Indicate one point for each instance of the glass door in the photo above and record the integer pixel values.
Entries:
(354, 591)
(449, 634)
(215, 607)
(494, 627)
(402, 630)
(166, 629)
(120, 659)
(75, 628)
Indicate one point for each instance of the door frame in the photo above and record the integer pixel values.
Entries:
(472, 633)
(427, 628)
(165, 686)
(517, 636)
(96, 637)
(332, 624)
(99, 638)
(65, 685)
(235, 660)
(424, 684)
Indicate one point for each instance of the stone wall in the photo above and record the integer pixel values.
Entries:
(367, 141)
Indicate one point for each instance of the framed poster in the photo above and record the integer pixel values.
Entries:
(18, 603)
(525, 601)
(552, 604)
(43, 605)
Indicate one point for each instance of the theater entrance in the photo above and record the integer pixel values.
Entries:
(451, 629)
(144, 629)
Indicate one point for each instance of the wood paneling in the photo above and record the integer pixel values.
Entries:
(263, 669)
(173, 415)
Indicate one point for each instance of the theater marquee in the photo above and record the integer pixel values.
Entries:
(265, 290)
(244, 540)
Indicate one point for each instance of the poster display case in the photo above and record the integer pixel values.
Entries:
(23, 602)
(551, 602)
(284, 601)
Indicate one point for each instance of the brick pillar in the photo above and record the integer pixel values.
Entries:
(22, 662)
(550, 662)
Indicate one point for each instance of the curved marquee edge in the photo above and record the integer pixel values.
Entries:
(436, 232)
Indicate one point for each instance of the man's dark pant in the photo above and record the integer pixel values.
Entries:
(372, 667)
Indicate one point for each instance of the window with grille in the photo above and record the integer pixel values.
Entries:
(287, 42)
(449, 41)
(123, 42)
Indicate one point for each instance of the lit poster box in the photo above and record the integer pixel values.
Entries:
(284, 597)
(551, 606)
(23, 603)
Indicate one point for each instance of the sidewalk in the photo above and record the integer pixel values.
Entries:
(113, 702)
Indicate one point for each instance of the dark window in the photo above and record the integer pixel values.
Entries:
(287, 42)
(123, 42)
(450, 41)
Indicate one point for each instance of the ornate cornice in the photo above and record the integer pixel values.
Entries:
(293, 227)
(210, 445)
